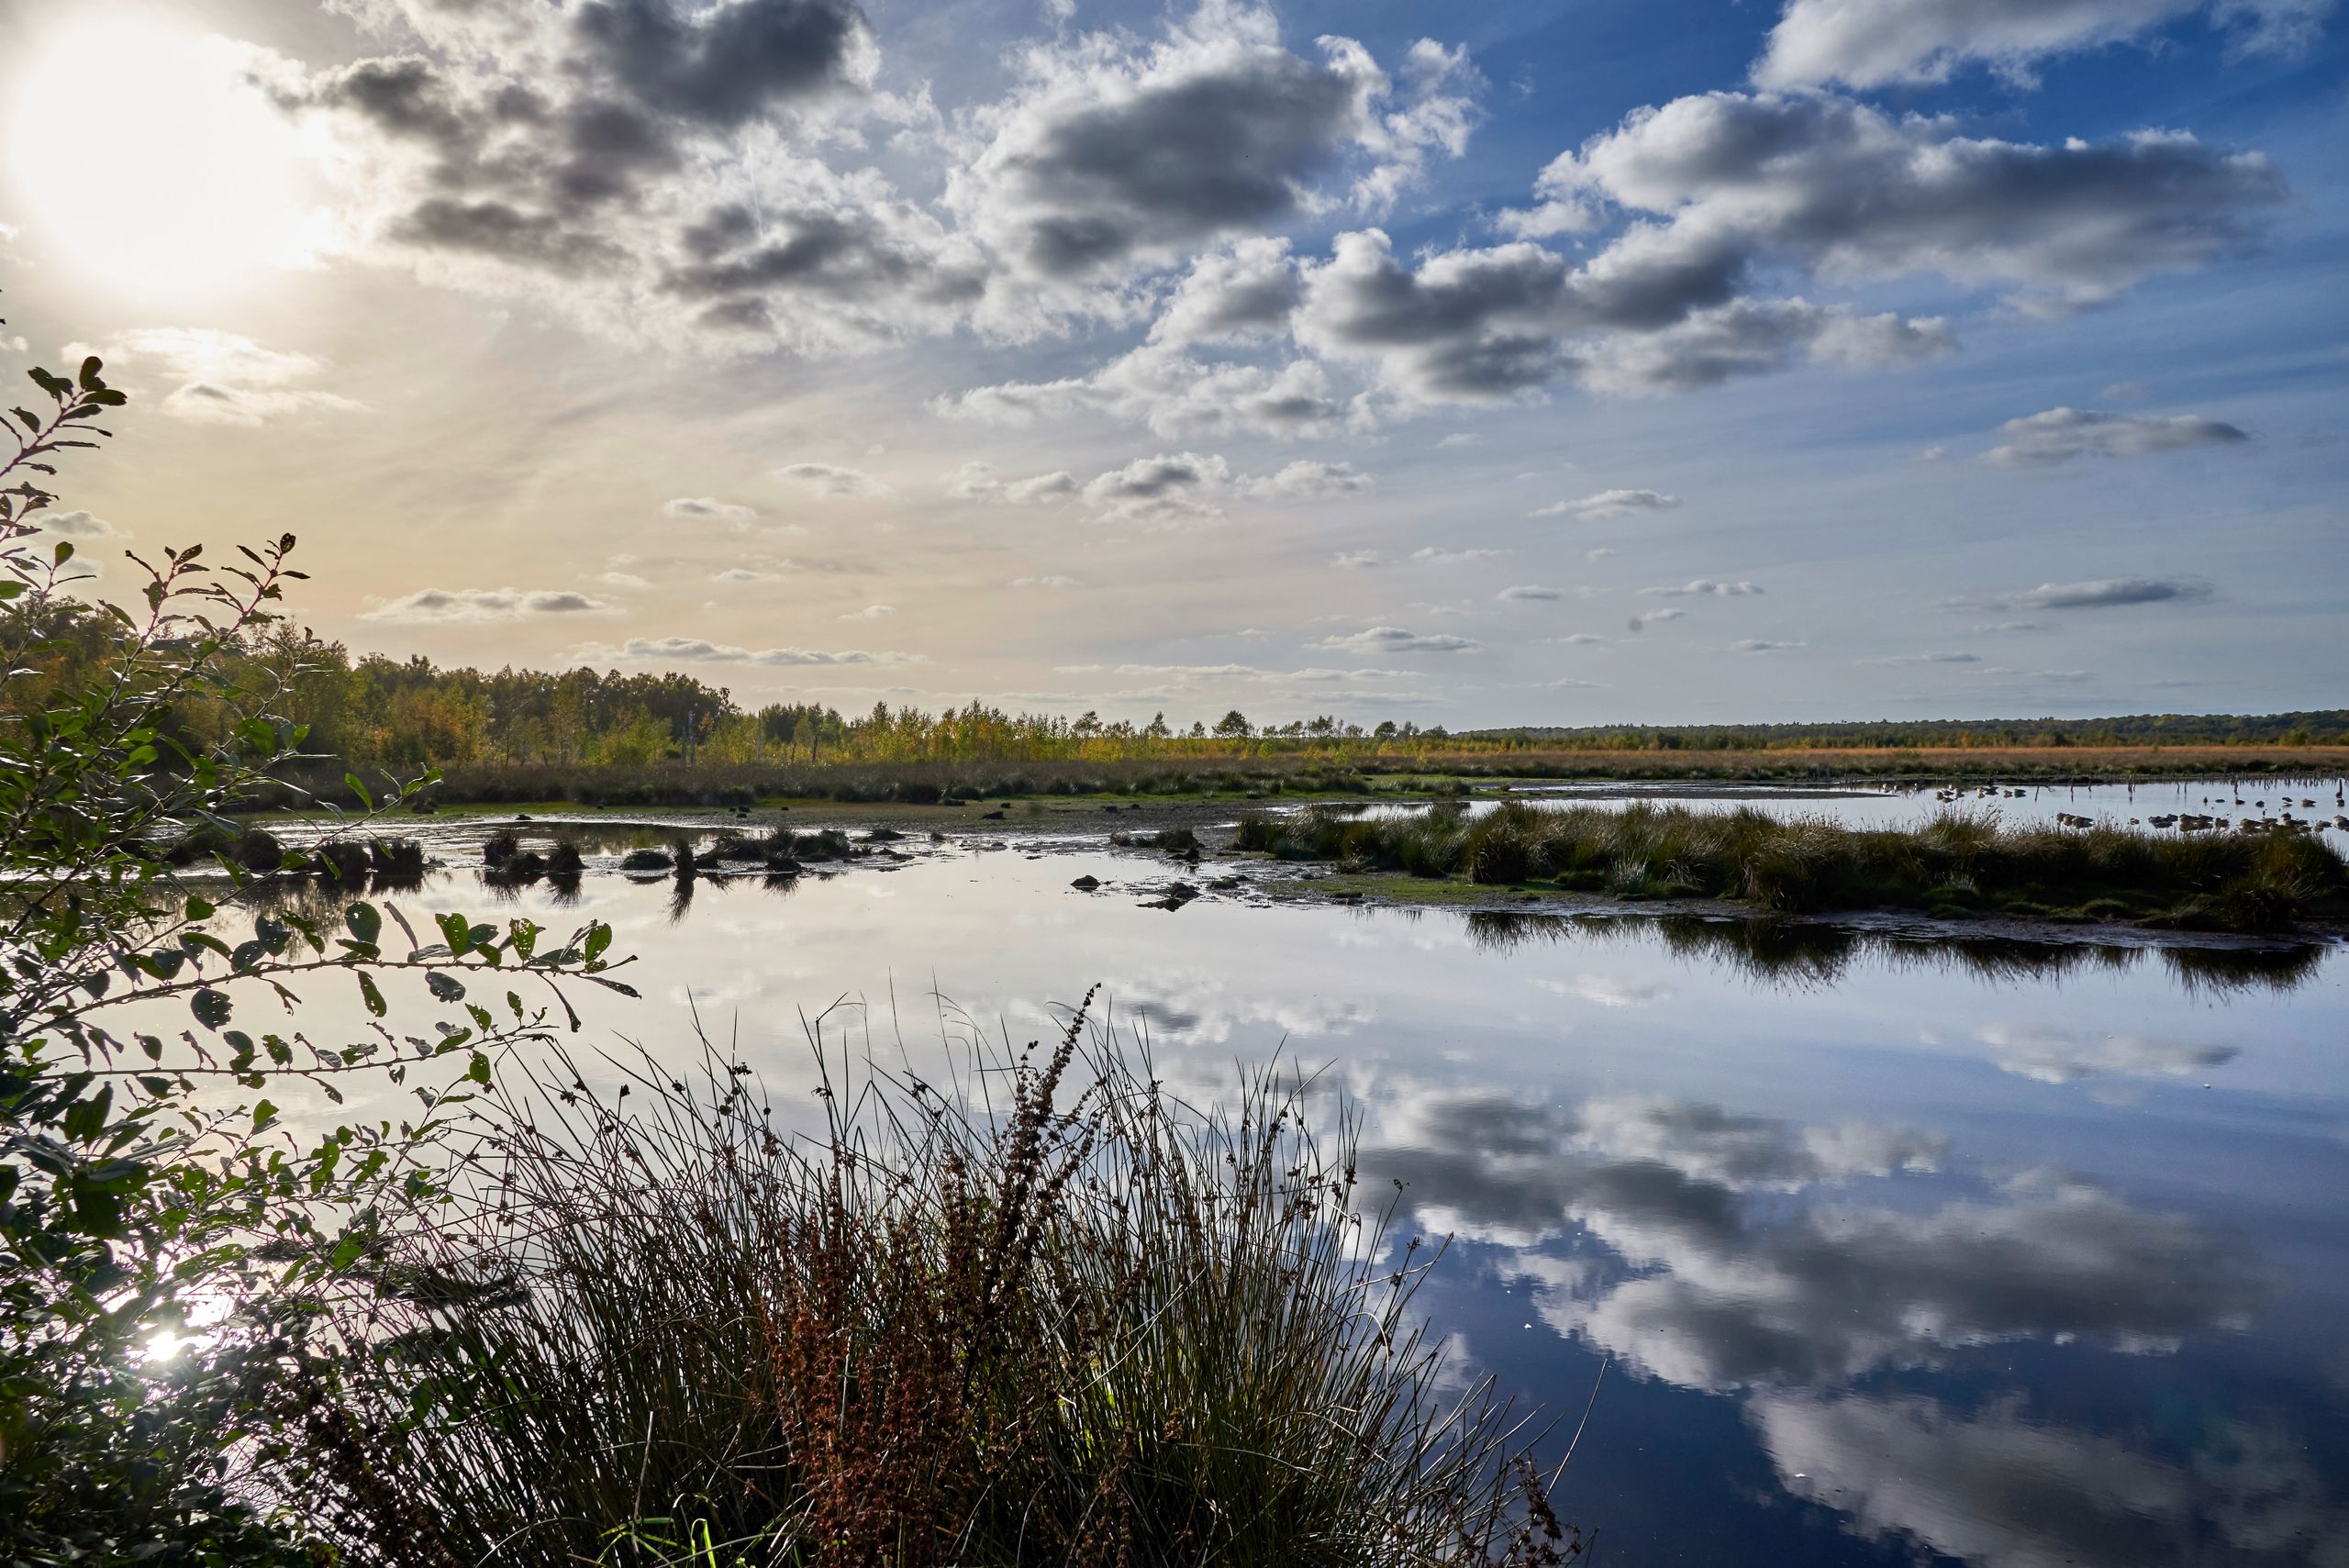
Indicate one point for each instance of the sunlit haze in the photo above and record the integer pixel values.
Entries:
(1522, 364)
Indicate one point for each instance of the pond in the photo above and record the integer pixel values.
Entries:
(2007, 1254)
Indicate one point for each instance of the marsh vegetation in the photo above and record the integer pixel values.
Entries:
(1960, 865)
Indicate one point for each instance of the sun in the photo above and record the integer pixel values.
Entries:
(148, 161)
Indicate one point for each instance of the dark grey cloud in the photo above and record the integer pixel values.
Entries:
(727, 62)
(1114, 153)
(596, 153)
(2061, 435)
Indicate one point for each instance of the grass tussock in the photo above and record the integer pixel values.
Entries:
(1090, 1327)
(1961, 865)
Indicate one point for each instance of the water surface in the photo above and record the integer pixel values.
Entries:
(1996, 1253)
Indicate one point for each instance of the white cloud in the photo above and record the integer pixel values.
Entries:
(1703, 587)
(870, 612)
(1763, 645)
(224, 379)
(704, 508)
(1608, 505)
(1166, 490)
(833, 482)
(1528, 591)
(2098, 593)
(694, 650)
(1881, 43)
(78, 526)
(457, 605)
(1395, 640)
(2060, 435)
(1647, 619)
(978, 482)
(1053, 581)
(1307, 480)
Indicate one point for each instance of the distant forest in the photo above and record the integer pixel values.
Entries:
(371, 713)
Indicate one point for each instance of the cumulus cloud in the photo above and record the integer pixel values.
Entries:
(447, 605)
(1881, 43)
(870, 612)
(1947, 657)
(222, 378)
(1362, 559)
(1703, 587)
(1053, 580)
(1730, 179)
(1397, 639)
(604, 155)
(978, 482)
(1240, 293)
(1167, 489)
(1608, 505)
(1763, 645)
(1307, 480)
(694, 651)
(1528, 591)
(831, 481)
(2060, 435)
(1113, 153)
(1647, 619)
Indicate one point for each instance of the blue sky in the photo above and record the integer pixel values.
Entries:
(1563, 363)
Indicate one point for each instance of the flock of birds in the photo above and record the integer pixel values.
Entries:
(2193, 821)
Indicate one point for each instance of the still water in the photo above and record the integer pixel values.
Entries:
(2009, 1256)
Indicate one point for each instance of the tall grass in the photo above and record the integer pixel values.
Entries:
(1960, 863)
(1106, 1332)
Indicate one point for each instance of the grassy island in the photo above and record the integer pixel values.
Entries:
(1961, 866)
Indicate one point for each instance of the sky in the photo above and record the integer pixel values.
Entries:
(1579, 362)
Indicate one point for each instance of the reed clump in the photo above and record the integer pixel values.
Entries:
(1084, 1325)
(1960, 864)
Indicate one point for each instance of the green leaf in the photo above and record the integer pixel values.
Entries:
(365, 923)
(371, 995)
(478, 1068)
(263, 1114)
(197, 909)
(448, 987)
(90, 380)
(599, 936)
(210, 1007)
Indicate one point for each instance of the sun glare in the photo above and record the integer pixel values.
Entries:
(145, 160)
